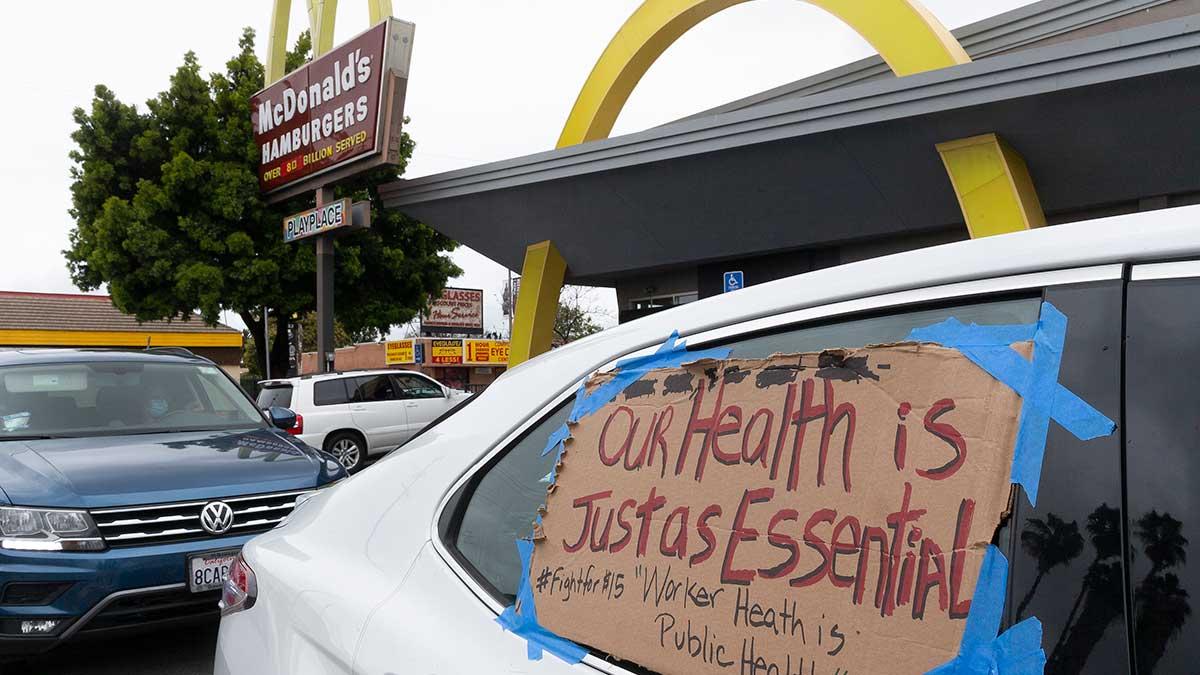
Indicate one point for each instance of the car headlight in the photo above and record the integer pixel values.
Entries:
(24, 529)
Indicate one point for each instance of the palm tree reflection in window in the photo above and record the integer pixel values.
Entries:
(1162, 604)
(1052, 542)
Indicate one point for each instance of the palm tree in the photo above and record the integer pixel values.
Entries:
(1099, 602)
(1052, 542)
(1162, 603)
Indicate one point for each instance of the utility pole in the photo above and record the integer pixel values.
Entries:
(324, 290)
(267, 342)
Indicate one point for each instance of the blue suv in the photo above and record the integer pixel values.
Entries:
(128, 483)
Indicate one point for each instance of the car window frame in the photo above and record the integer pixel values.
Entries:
(345, 390)
(387, 377)
(428, 380)
(930, 297)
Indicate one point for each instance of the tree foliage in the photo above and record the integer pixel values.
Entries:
(577, 314)
(169, 217)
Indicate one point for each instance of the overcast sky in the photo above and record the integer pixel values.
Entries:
(491, 79)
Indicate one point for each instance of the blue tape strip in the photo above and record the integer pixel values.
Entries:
(1036, 380)
(521, 618)
(557, 438)
(672, 354)
(983, 651)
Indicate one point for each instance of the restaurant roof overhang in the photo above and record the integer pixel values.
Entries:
(1102, 122)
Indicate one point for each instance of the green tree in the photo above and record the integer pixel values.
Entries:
(577, 314)
(168, 215)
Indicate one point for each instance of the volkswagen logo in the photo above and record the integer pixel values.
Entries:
(216, 517)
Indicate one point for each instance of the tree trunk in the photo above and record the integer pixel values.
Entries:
(279, 347)
(1029, 596)
(255, 326)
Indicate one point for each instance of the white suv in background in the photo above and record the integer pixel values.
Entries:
(355, 414)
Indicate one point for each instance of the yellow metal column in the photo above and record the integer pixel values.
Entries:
(993, 185)
(537, 304)
(277, 40)
(380, 10)
(322, 16)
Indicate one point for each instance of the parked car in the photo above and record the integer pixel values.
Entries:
(128, 483)
(405, 568)
(352, 415)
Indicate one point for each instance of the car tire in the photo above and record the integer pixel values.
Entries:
(348, 448)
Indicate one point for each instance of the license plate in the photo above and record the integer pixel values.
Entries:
(208, 571)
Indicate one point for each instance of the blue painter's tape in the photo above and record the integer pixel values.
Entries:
(521, 618)
(557, 438)
(982, 651)
(672, 354)
(1036, 380)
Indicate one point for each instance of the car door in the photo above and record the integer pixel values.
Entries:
(424, 401)
(378, 411)
(494, 504)
(1162, 431)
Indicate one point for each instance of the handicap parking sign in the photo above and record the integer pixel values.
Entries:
(734, 281)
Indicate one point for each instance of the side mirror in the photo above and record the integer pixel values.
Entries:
(281, 418)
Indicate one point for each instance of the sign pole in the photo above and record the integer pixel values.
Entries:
(324, 290)
(267, 341)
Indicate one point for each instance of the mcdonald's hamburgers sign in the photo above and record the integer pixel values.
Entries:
(337, 115)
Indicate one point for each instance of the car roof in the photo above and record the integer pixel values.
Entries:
(281, 381)
(19, 357)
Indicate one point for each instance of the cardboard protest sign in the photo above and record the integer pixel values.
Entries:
(816, 513)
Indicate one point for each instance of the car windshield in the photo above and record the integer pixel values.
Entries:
(106, 397)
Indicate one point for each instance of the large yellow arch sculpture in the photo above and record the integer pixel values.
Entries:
(990, 179)
(904, 33)
(322, 15)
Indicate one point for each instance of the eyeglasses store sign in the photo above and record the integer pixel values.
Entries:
(332, 110)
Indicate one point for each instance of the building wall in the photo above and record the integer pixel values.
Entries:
(371, 356)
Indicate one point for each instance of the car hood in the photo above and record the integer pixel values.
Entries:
(146, 469)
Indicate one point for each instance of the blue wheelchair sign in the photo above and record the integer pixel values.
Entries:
(734, 281)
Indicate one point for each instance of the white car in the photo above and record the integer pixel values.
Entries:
(355, 414)
(405, 568)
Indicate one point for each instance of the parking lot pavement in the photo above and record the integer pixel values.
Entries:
(181, 651)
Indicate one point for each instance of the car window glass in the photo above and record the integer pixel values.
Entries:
(1065, 553)
(217, 399)
(881, 329)
(79, 399)
(1163, 463)
(275, 396)
(504, 499)
(415, 386)
(501, 509)
(330, 392)
(374, 389)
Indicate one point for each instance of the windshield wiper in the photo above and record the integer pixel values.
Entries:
(31, 438)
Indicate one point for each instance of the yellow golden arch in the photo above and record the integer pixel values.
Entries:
(322, 14)
(991, 181)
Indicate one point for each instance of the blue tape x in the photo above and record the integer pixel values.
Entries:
(1036, 380)
(983, 651)
(521, 618)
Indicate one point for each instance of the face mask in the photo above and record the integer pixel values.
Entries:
(158, 407)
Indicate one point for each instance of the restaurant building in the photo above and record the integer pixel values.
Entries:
(462, 363)
(1059, 111)
(67, 320)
